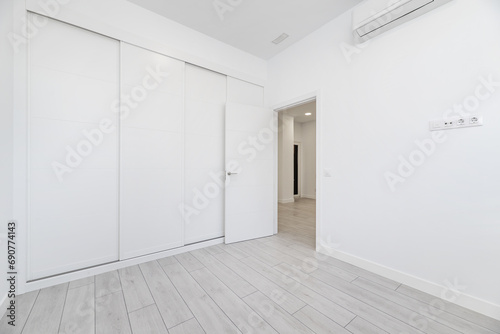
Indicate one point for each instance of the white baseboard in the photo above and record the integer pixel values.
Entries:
(470, 302)
(288, 200)
(204, 237)
(308, 196)
(64, 278)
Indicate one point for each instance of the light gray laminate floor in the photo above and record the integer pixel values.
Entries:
(277, 284)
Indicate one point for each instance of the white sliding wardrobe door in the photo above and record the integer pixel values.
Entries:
(250, 133)
(73, 150)
(204, 198)
(151, 144)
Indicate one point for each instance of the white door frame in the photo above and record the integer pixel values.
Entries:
(318, 96)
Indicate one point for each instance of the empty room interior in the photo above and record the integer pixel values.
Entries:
(236, 166)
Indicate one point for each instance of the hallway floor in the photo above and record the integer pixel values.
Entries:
(298, 219)
(278, 284)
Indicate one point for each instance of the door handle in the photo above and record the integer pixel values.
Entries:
(231, 173)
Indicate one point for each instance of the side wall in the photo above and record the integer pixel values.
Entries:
(6, 146)
(420, 209)
(309, 160)
(285, 159)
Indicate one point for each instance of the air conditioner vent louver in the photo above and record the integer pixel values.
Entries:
(374, 17)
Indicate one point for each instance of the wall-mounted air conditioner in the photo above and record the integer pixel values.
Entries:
(374, 17)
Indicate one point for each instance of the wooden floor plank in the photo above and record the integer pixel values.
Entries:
(288, 301)
(135, 289)
(81, 282)
(405, 315)
(212, 250)
(208, 314)
(439, 314)
(318, 322)
(276, 239)
(277, 317)
(111, 314)
(373, 314)
(297, 239)
(234, 307)
(147, 321)
(167, 260)
(257, 253)
(172, 307)
(348, 267)
(189, 262)
(23, 306)
(234, 251)
(361, 326)
(189, 327)
(474, 317)
(311, 263)
(107, 283)
(79, 311)
(336, 312)
(267, 250)
(236, 283)
(46, 314)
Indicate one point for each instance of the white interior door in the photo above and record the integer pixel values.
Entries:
(250, 134)
(204, 108)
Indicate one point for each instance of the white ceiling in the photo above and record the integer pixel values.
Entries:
(299, 112)
(251, 25)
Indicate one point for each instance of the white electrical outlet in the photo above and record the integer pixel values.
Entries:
(474, 120)
(455, 123)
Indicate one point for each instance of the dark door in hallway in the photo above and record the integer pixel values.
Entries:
(295, 169)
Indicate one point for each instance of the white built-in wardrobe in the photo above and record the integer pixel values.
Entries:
(122, 141)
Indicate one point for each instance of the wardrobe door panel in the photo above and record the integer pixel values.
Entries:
(73, 150)
(151, 70)
(243, 92)
(147, 116)
(151, 145)
(56, 94)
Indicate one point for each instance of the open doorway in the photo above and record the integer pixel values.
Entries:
(297, 173)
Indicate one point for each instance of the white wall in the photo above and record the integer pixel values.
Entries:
(305, 133)
(6, 109)
(297, 138)
(309, 159)
(442, 223)
(285, 159)
(297, 132)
